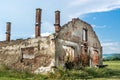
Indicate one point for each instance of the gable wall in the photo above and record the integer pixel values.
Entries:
(73, 33)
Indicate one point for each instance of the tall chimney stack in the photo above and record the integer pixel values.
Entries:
(8, 31)
(38, 22)
(57, 21)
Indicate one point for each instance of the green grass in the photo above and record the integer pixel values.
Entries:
(115, 65)
(111, 72)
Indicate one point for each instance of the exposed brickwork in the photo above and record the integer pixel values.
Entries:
(8, 31)
(38, 22)
(57, 21)
(80, 36)
(74, 42)
(27, 53)
(84, 56)
(95, 58)
(33, 64)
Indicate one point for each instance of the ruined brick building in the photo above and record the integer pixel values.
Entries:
(75, 41)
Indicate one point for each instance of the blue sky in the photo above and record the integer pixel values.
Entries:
(103, 15)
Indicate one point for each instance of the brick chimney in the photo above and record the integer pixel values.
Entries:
(57, 21)
(38, 22)
(8, 31)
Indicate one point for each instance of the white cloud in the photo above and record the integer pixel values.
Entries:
(42, 34)
(77, 8)
(45, 34)
(110, 44)
(2, 35)
(78, 2)
(111, 47)
(23, 16)
(47, 27)
(95, 26)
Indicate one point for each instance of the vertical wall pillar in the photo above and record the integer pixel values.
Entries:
(57, 21)
(8, 31)
(38, 22)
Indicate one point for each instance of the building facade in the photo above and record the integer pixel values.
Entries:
(78, 41)
(75, 42)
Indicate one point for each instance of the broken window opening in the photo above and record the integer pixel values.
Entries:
(27, 53)
(84, 34)
(69, 52)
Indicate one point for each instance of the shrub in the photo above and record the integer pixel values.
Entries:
(3, 67)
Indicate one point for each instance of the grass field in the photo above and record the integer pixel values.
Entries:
(115, 67)
(111, 72)
(113, 64)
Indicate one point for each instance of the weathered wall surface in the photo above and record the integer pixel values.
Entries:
(32, 53)
(71, 35)
(76, 42)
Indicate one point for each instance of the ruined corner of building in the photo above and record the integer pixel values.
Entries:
(73, 45)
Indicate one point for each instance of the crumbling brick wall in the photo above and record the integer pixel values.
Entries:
(27, 52)
(78, 34)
